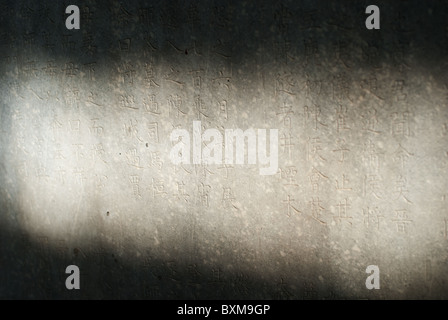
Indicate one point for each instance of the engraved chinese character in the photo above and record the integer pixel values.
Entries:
(401, 189)
(317, 209)
(78, 151)
(80, 175)
(400, 124)
(314, 149)
(127, 72)
(342, 184)
(290, 208)
(282, 48)
(227, 168)
(203, 194)
(315, 178)
(158, 188)
(371, 156)
(193, 273)
(151, 105)
(200, 107)
(173, 77)
(181, 192)
(402, 221)
(127, 101)
(342, 215)
(288, 175)
(342, 149)
(216, 276)
(70, 70)
(286, 143)
(282, 291)
(133, 159)
(155, 160)
(72, 97)
(341, 87)
(311, 52)
(228, 198)
(401, 155)
(370, 121)
(398, 90)
(135, 184)
(90, 67)
(50, 69)
(88, 45)
(372, 186)
(342, 52)
(202, 169)
(341, 122)
(175, 103)
(284, 83)
(153, 132)
(222, 105)
(95, 128)
(312, 115)
(285, 111)
(131, 130)
(372, 216)
(58, 152)
(91, 99)
(124, 44)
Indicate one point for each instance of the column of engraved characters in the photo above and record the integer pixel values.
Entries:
(202, 112)
(221, 86)
(151, 104)
(445, 219)
(79, 151)
(283, 18)
(153, 111)
(402, 158)
(228, 199)
(342, 215)
(96, 129)
(19, 121)
(217, 279)
(288, 170)
(400, 132)
(70, 71)
(59, 154)
(315, 208)
(89, 43)
(341, 99)
(373, 183)
(221, 83)
(310, 26)
(444, 134)
(200, 106)
(401, 46)
(94, 152)
(314, 124)
(285, 92)
(315, 158)
(157, 188)
(372, 154)
(173, 78)
(182, 191)
(315, 127)
(203, 195)
(133, 133)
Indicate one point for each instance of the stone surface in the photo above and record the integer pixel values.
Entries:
(86, 177)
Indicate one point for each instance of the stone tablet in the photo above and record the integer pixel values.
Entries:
(223, 150)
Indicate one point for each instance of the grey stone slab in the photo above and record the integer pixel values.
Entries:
(87, 178)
